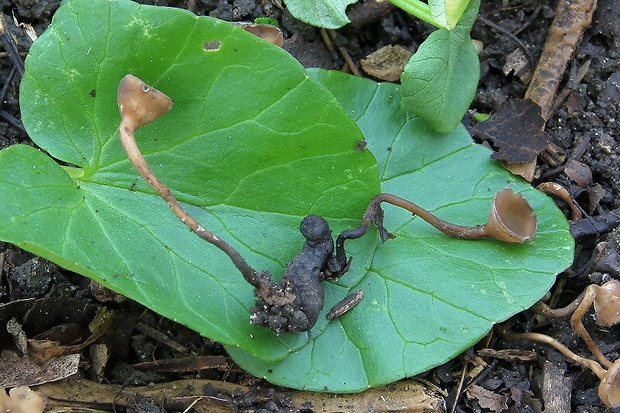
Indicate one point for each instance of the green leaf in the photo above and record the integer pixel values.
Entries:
(330, 14)
(428, 297)
(447, 12)
(250, 147)
(439, 81)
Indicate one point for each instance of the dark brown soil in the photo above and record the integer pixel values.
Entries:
(584, 127)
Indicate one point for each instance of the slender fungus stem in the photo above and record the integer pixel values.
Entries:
(510, 220)
(140, 104)
(609, 387)
(577, 324)
(453, 230)
(606, 300)
(566, 352)
(544, 309)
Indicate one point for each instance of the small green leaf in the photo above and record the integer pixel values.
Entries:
(330, 14)
(447, 12)
(428, 297)
(250, 147)
(439, 81)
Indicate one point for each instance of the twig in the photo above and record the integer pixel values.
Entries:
(531, 20)
(571, 20)
(7, 83)
(186, 364)
(11, 119)
(161, 337)
(10, 46)
(595, 225)
(574, 81)
(347, 57)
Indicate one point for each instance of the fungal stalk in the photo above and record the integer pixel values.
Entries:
(606, 301)
(140, 104)
(609, 387)
(510, 220)
(290, 305)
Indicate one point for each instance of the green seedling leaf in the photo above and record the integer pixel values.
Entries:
(439, 81)
(428, 297)
(250, 147)
(447, 13)
(330, 14)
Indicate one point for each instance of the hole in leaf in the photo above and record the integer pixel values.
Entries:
(212, 46)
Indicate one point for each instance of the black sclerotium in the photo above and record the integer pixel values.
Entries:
(302, 280)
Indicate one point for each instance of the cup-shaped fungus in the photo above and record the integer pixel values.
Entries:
(606, 301)
(22, 400)
(607, 304)
(609, 389)
(511, 218)
(139, 103)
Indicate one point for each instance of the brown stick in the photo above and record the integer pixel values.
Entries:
(572, 18)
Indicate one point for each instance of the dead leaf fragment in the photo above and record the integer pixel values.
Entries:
(526, 170)
(267, 32)
(487, 399)
(387, 63)
(47, 348)
(215, 396)
(19, 371)
(579, 173)
(517, 62)
(515, 132)
(509, 354)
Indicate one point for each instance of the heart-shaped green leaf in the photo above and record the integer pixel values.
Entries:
(251, 146)
(330, 14)
(440, 80)
(428, 297)
(447, 13)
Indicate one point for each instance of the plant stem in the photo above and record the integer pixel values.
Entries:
(418, 9)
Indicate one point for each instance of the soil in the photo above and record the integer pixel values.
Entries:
(583, 128)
